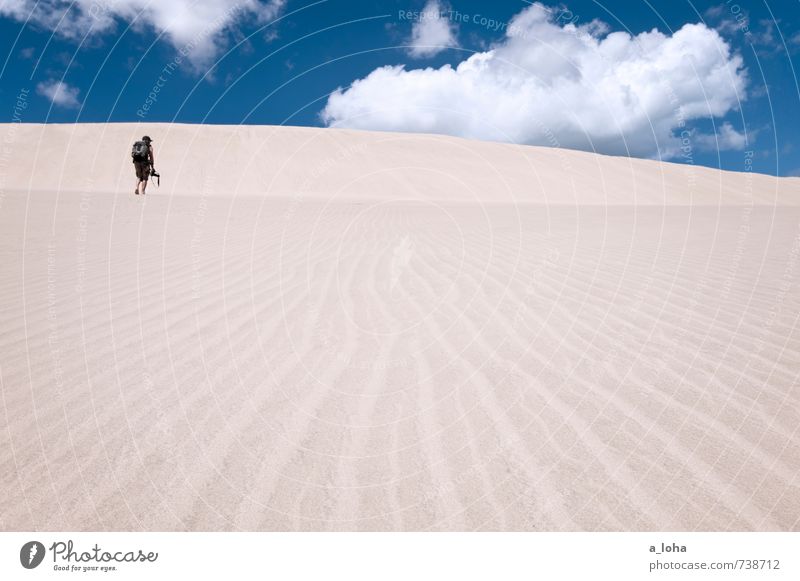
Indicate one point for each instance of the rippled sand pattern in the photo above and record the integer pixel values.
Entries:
(244, 363)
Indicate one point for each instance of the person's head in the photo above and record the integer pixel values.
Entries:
(147, 139)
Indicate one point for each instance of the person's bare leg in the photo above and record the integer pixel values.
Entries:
(144, 186)
(138, 183)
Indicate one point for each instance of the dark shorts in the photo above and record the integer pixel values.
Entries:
(142, 169)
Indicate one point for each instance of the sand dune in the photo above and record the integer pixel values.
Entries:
(344, 164)
(365, 331)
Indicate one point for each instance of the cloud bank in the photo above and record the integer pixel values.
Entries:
(198, 24)
(562, 85)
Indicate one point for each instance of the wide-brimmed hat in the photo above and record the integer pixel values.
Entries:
(146, 138)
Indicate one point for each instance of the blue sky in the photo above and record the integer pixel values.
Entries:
(581, 74)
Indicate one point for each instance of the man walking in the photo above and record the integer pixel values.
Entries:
(144, 162)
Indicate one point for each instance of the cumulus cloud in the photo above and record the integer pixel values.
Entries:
(432, 32)
(554, 83)
(726, 138)
(60, 94)
(192, 25)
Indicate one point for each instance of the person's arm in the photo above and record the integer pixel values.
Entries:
(152, 157)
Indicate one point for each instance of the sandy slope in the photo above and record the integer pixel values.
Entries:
(298, 161)
(405, 350)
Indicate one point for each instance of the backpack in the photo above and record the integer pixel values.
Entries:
(140, 151)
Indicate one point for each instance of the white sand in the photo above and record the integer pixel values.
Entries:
(311, 329)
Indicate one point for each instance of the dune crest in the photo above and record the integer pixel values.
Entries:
(289, 161)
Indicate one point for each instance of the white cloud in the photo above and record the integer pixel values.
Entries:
(432, 32)
(60, 94)
(763, 35)
(194, 25)
(715, 11)
(726, 138)
(573, 86)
